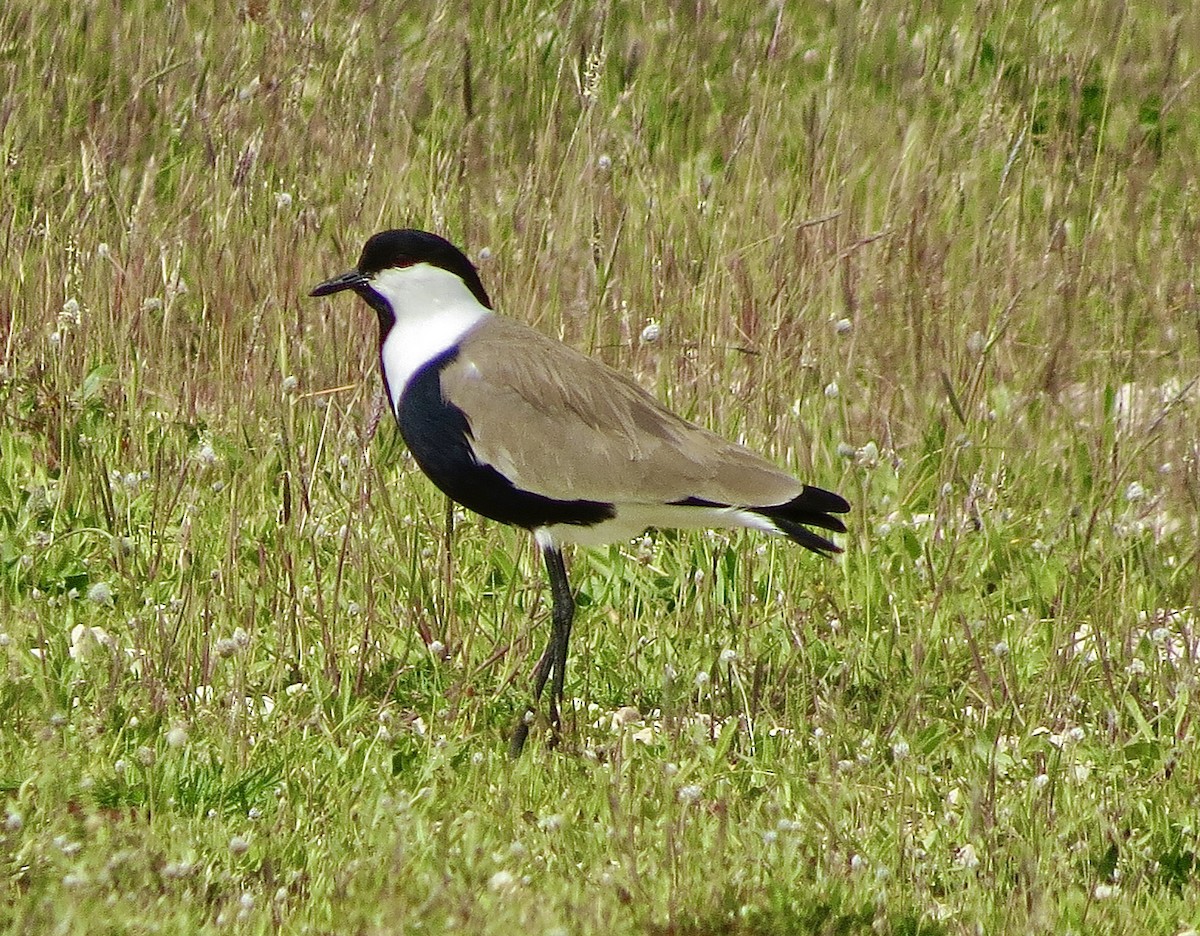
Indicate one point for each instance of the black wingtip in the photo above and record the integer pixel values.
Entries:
(813, 506)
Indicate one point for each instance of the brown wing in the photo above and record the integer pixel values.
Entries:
(564, 425)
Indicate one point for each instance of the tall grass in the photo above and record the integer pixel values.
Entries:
(941, 260)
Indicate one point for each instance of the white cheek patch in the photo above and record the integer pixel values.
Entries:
(433, 310)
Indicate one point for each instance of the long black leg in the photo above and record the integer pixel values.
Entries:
(561, 616)
(554, 657)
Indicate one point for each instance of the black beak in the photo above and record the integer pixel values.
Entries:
(351, 279)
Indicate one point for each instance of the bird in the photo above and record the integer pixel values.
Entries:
(523, 429)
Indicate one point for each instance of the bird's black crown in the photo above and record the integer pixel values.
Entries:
(402, 248)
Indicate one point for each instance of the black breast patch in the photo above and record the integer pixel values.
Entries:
(438, 435)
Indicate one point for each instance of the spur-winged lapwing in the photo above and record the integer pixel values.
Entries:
(522, 429)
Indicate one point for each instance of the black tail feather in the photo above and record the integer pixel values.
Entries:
(812, 507)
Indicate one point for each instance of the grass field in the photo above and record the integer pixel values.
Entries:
(941, 258)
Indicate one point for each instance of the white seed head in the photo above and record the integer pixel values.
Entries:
(690, 793)
(501, 881)
(100, 593)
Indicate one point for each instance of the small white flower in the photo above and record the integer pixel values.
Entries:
(476, 758)
(689, 793)
(14, 821)
(177, 736)
(831, 390)
(100, 593)
(551, 823)
(1135, 492)
(604, 163)
(845, 450)
(501, 881)
(728, 655)
(206, 456)
(652, 332)
(867, 456)
(857, 862)
(103, 251)
(1000, 648)
(227, 647)
(977, 342)
(70, 313)
(900, 749)
(283, 200)
(1136, 668)
(701, 679)
(966, 857)
(239, 845)
(437, 649)
(85, 641)
(1104, 891)
(843, 326)
(289, 384)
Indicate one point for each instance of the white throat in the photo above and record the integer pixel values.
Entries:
(434, 309)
